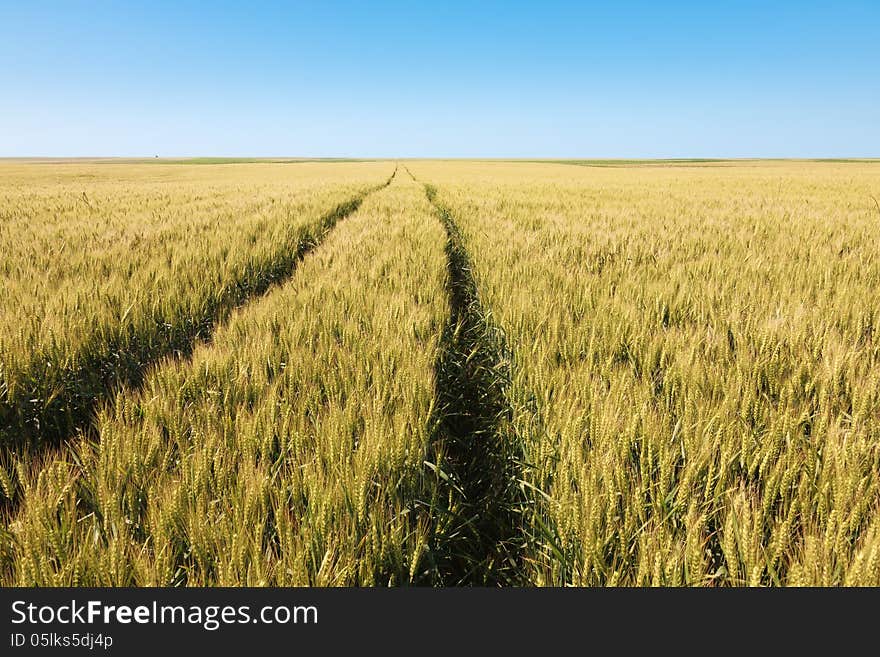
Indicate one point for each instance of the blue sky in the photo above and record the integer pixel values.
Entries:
(445, 79)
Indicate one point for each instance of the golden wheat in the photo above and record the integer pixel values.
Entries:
(556, 375)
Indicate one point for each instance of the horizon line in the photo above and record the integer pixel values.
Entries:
(534, 158)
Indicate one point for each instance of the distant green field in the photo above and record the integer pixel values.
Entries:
(253, 160)
(695, 161)
(620, 163)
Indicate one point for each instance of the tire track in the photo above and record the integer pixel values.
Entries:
(478, 534)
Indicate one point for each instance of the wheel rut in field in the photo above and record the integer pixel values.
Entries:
(124, 367)
(478, 537)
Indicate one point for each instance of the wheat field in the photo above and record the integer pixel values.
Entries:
(440, 373)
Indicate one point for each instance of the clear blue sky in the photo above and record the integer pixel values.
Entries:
(440, 79)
